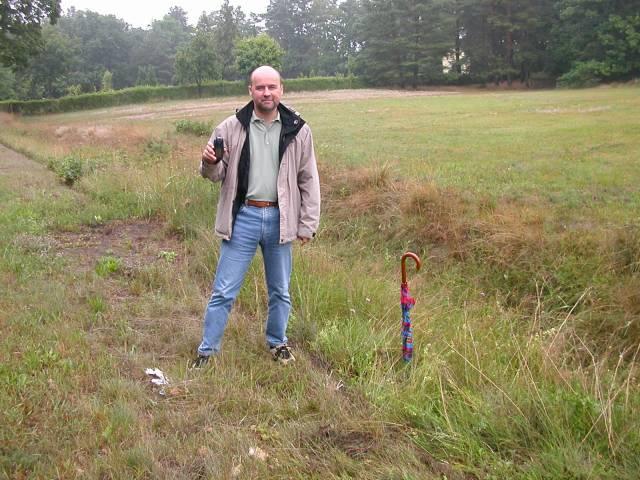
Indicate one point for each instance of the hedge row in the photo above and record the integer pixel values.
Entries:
(148, 94)
(322, 83)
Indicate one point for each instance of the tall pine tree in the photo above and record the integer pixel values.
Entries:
(404, 41)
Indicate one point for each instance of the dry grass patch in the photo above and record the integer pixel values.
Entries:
(427, 216)
(125, 136)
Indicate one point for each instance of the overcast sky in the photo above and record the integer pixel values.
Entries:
(140, 13)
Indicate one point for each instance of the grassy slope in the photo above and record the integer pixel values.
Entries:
(79, 330)
(525, 205)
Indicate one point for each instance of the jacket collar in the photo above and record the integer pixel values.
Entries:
(291, 120)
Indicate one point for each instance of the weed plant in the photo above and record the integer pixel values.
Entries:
(200, 129)
(108, 265)
(69, 169)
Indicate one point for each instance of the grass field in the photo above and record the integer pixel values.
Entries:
(523, 206)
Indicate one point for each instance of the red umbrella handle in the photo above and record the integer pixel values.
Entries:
(404, 267)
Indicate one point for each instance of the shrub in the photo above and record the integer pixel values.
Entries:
(322, 83)
(200, 129)
(156, 148)
(69, 169)
(583, 74)
(107, 81)
(74, 90)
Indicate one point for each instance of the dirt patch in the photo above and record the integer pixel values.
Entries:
(136, 243)
(114, 136)
(558, 110)
(445, 469)
(85, 132)
(355, 444)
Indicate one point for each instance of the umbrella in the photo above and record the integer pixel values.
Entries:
(407, 302)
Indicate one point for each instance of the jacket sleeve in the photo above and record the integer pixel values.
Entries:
(309, 186)
(218, 171)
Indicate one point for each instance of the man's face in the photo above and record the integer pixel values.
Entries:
(265, 90)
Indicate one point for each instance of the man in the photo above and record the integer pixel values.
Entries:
(270, 196)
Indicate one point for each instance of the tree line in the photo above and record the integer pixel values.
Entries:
(404, 43)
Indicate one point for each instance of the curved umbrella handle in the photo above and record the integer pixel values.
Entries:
(404, 268)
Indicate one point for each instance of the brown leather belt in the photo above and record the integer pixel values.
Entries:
(261, 203)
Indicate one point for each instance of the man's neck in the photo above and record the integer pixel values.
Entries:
(267, 117)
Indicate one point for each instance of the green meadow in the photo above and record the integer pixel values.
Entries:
(523, 206)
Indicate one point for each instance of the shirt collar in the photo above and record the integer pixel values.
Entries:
(255, 118)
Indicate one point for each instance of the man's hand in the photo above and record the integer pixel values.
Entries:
(303, 240)
(209, 154)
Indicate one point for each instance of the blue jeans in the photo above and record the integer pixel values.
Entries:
(253, 226)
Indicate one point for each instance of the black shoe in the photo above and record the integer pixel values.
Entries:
(282, 354)
(200, 362)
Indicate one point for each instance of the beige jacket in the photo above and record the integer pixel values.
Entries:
(298, 180)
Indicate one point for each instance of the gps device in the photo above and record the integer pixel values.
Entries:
(218, 147)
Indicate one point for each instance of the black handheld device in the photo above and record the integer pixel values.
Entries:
(218, 146)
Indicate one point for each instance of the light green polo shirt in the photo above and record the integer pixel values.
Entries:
(263, 173)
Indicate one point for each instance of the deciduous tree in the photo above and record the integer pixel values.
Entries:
(160, 44)
(51, 68)
(197, 62)
(256, 51)
(227, 27)
(7, 83)
(594, 40)
(20, 28)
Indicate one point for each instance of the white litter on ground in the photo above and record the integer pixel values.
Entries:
(257, 452)
(158, 375)
(157, 378)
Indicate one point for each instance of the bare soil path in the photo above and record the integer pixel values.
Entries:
(17, 169)
(135, 242)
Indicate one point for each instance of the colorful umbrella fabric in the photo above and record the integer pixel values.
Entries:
(407, 302)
